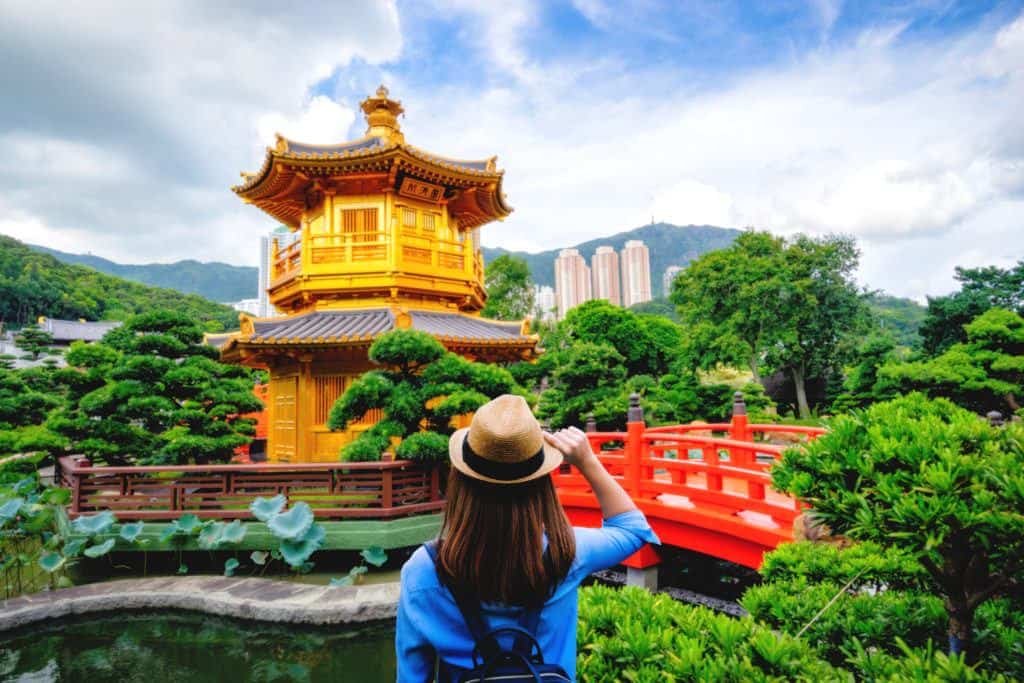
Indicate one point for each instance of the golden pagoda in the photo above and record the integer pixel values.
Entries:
(384, 235)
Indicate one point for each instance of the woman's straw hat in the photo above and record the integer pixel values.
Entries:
(503, 444)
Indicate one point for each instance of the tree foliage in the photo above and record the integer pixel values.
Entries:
(980, 289)
(509, 289)
(983, 373)
(34, 284)
(34, 341)
(927, 478)
(152, 393)
(419, 387)
(774, 305)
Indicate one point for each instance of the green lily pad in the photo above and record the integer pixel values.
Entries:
(36, 518)
(56, 496)
(189, 524)
(343, 581)
(64, 582)
(296, 553)
(265, 509)
(10, 509)
(230, 565)
(211, 535)
(233, 532)
(294, 524)
(183, 569)
(131, 531)
(169, 532)
(93, 525)
(73, 548)
(99, 550)
(51, 561)
(375, 555)
(26, 485)
(259, 557)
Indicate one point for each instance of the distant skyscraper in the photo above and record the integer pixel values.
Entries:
(604, 266)
(544, 302)
(572, 281)
(636, 273)
(668, 278)
(284, 237)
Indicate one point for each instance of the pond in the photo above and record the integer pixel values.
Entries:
(154, 647)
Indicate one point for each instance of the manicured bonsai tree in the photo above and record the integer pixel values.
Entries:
(420, 388)
(34, 341)
(928, 478)
(152, 393)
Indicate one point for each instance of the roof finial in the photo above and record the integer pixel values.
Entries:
(382, 116)
(382, 91)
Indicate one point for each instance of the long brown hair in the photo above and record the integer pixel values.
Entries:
(491, 546)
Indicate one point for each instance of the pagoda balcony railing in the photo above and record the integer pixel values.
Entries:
(287, 261)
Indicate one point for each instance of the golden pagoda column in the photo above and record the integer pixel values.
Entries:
(304, 445)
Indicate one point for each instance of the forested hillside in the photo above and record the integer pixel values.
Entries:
(669, 245)
(34, 284)
(901, 317)
(214, 281)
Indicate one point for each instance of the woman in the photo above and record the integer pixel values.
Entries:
(507, 543)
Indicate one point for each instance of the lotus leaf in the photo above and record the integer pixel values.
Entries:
(169, 532)
(183, 569)
(343, 581)
(296, 553)
(189, 524)
(131, 531)
(26, 485)
(101, 549)
(92, 525)
(230, 565)
(233, 532)
(36, 518)
(375, 555)
(51, 561)
(10, 509)
(259, 557)
(73, 548)
(265, 509)
(211, 535)
(357, 570)
(64, 582)
(292, 525)
(56, 496)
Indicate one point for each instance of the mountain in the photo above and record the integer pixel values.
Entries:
(34, 284)
(214, 281)
(902, 317)
(669, 245)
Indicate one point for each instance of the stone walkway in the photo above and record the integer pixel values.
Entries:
(244, 598)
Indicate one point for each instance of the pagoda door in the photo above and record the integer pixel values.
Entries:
(283, 435)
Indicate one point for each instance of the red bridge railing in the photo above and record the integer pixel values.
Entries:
(365, 490)
(700, 491)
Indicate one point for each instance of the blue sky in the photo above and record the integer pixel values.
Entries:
(896, 122)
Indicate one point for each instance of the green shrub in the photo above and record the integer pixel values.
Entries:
(869, 562)
(423, 447)
(632, 635)
(364, 449)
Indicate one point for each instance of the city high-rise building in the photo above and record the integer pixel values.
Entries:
(544, 302)
(604, 266)
(636, 273)
(668, 278)
(284, 238)
(572, 281)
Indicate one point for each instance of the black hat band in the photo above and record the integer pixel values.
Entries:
(501, 471)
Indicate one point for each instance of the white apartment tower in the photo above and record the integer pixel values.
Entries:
(604, 266)
(668, 278)
(572, 281)
(636, 273)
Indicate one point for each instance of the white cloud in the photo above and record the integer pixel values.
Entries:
(323, 121)
(689, 202)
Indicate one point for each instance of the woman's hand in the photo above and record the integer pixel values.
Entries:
(574, 445)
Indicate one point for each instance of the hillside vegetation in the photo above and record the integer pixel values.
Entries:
(214, 281)
(33, 284)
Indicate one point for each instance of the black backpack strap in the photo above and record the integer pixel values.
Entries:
(470, 610)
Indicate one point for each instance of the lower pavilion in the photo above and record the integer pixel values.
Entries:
(386, 236)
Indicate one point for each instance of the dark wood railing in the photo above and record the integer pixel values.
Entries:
(365, 490)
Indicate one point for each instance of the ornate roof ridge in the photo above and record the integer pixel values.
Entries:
(488, 165)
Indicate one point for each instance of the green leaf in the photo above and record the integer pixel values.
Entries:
(51, 561)
(183, 569)
(56, 496)
(230, 565)
(10, 509)
(211, 535)
(259, 557)
(101, 549)
(375, 555)
(189, 524)
(295, 553)
(169, 532)
(343, 581)
(93, 525)
(294, 524)
(73, 548)
(64, 582)
(233, 532)
(265, 509)
(131, 531)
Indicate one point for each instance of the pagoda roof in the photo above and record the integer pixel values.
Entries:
(331, 328)
(472, 188)
(76, 330)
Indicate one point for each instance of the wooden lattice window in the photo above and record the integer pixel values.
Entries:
(326, 390)
(409, 219)
(429, 222)
(361, 224)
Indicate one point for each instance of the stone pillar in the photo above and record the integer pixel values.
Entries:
(995, 418)
(646, 578)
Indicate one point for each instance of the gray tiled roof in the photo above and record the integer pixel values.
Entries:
(358, 145)
(332, 326)
(74, 330)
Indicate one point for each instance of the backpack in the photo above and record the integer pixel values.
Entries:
(523, 663)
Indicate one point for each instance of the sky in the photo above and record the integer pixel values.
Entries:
(124, 125)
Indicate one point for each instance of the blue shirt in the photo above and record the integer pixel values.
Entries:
(429, 621)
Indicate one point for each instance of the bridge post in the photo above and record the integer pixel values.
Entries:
(635, 427)
(739, 430)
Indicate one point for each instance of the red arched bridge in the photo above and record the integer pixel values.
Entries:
(704, 487)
